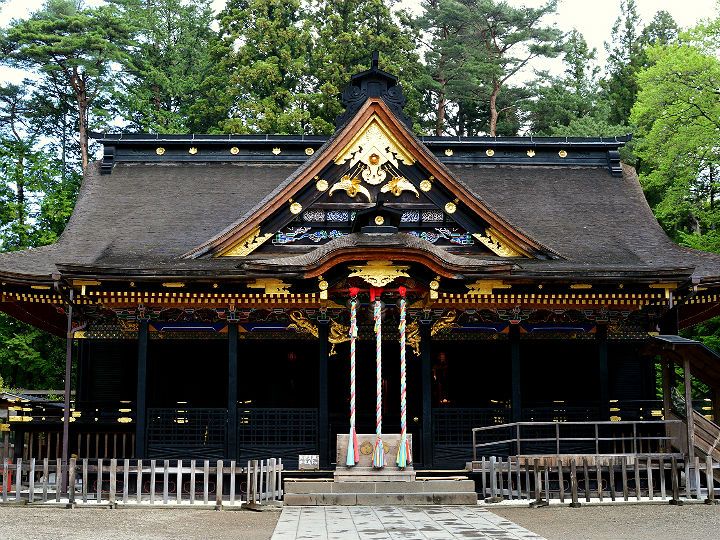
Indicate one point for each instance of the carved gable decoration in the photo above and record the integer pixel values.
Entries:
(373, 162)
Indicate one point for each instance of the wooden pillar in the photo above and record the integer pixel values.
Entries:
(66, 404)
(603, 373)
(689, 410)
(667, 365)
(516, 375)
(232, 391)
(140, 402)
(323, 420)
(426, 368)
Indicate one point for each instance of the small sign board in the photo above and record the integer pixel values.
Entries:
(308, 462)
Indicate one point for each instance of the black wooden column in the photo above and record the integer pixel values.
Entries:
(603, 373)
(427, 423)
(232, 391)
(66, 405)
(516, 374)
(140, 402)
(323, 421)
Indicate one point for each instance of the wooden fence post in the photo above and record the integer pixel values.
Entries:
(574, 485)
(72, 472)
(219, 485)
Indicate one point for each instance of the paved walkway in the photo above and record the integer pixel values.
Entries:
(395, 523)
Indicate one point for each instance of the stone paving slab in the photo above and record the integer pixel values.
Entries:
(396, 523)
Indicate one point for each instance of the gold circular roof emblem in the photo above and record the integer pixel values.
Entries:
(450, 208)
(434, 285)
(323, 285)
(321, 185)
(159, 150)
(379, 220)
(295, 208)
(192, 151)
(309, 151)
(426, 185)
(489, 152)
(562, 153)
(234, 150)
(374, 159)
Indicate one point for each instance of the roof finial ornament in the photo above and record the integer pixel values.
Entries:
(373, 82)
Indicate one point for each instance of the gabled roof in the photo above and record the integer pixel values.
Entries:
(373, 126)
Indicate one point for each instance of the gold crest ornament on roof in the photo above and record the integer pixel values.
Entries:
(374, 146)
(351, 186)
(397, 185)
(379, 273)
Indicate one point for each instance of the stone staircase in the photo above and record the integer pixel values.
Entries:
(453, 490)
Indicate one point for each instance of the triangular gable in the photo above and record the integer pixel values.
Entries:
(373, 154)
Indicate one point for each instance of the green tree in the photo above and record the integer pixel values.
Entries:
(167, 63)
(677, 115)
(505, 40)
(346, 32)
(74, 48)
(623, 63)
(269, 44)
(571, 97)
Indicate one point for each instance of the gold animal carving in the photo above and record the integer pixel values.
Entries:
(301, 324)
(397, 185)
(412, 337)
(351, 186)
(339, 333)
(446, 322)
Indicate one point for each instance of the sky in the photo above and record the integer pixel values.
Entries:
(593, 18)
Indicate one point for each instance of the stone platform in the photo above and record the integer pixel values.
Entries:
(422, 491)
(364, 485)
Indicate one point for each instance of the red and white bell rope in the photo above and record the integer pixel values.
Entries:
(378, 460)
(353, 452)
(403, 456)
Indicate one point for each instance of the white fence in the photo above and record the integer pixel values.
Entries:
(112, 482)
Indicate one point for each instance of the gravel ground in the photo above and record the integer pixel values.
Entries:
(631, 522)
(145, 524)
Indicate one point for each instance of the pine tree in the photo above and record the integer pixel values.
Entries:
(74, 48)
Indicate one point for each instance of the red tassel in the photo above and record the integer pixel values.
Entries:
(402, 290)
(354, 291)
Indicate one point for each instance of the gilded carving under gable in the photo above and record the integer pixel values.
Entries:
(374, 146)
(497, 243)
(248, 244)
(379, 273)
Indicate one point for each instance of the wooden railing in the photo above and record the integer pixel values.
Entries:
(634, 437)
(112, 482)
(665, 477)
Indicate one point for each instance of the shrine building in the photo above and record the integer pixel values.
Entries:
(205, 285)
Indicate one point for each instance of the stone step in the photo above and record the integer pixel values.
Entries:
(430, 485)
(381, 499)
